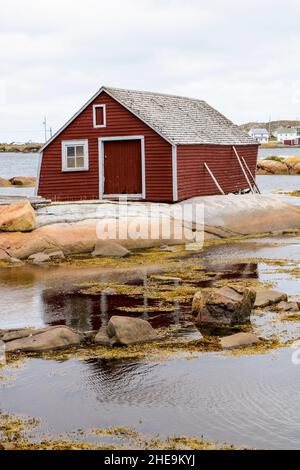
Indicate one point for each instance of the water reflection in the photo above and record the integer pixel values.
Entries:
(251, 400)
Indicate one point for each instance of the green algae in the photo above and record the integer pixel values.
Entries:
(16, 437)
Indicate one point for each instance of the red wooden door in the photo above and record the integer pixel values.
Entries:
(122, 167)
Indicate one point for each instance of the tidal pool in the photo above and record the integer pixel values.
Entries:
(242, 400)
(252, 401)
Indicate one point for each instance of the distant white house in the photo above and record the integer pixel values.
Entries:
(286, 133)
(260, 135)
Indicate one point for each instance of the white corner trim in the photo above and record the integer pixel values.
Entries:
(64, 146)
(174, 173)
(95, 107)
(101, 142)
(36, 191)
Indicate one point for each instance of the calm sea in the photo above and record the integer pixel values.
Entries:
(18, 164)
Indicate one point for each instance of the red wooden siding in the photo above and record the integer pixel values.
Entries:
(193, 178)
(56, 185)
(123, 167)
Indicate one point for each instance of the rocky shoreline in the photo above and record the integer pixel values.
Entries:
(279, 166)
(18, 181)
(20, 148)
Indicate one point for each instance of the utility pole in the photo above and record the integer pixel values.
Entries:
(45, 128)
(270, 127)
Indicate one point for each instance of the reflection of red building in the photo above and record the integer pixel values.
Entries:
(145, 146)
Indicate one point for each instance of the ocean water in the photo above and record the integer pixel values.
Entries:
(18, 164)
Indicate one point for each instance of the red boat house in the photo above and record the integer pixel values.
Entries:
(146, 146)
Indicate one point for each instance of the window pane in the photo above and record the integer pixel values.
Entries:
(71, 151)
(99, 116)
(79, 162)
(79, 151)
(71, 162)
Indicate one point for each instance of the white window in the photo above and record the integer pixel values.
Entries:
(99, 115)
(75, 155)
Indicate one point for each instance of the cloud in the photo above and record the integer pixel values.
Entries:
(241, 57)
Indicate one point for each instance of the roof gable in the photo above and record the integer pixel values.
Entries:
(177, 119)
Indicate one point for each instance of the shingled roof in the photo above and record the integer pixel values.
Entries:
(181, 120)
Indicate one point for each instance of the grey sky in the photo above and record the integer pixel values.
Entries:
(243, 57)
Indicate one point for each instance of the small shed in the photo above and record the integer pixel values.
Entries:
(146, 146)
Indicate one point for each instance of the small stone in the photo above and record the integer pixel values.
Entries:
(167, 279)
(109, 291)
(267, 297)
(110, 249)
(288, 307)
(15, 261)
(55, 337)
(238, 340)
(39, 258)
(102, 338)
(56, 255)
(170, 249)
(127, 330)
(11, 335)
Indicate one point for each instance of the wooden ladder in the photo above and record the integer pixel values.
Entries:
(245, 168)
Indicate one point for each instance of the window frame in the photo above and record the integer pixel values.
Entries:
(74, 143)
(95, 107)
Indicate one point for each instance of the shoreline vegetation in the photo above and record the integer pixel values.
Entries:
(33, 147)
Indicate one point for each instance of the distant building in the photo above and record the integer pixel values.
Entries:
(292, 141)
(283, 134)
(260, 135)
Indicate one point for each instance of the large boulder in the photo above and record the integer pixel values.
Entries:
(56, 337)
(19, 217)
(126, 331)
(291, 162)
(223, 306)
(238, 340)
(296, 169)
(4, 256)
(272, 167)
(4, 183)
